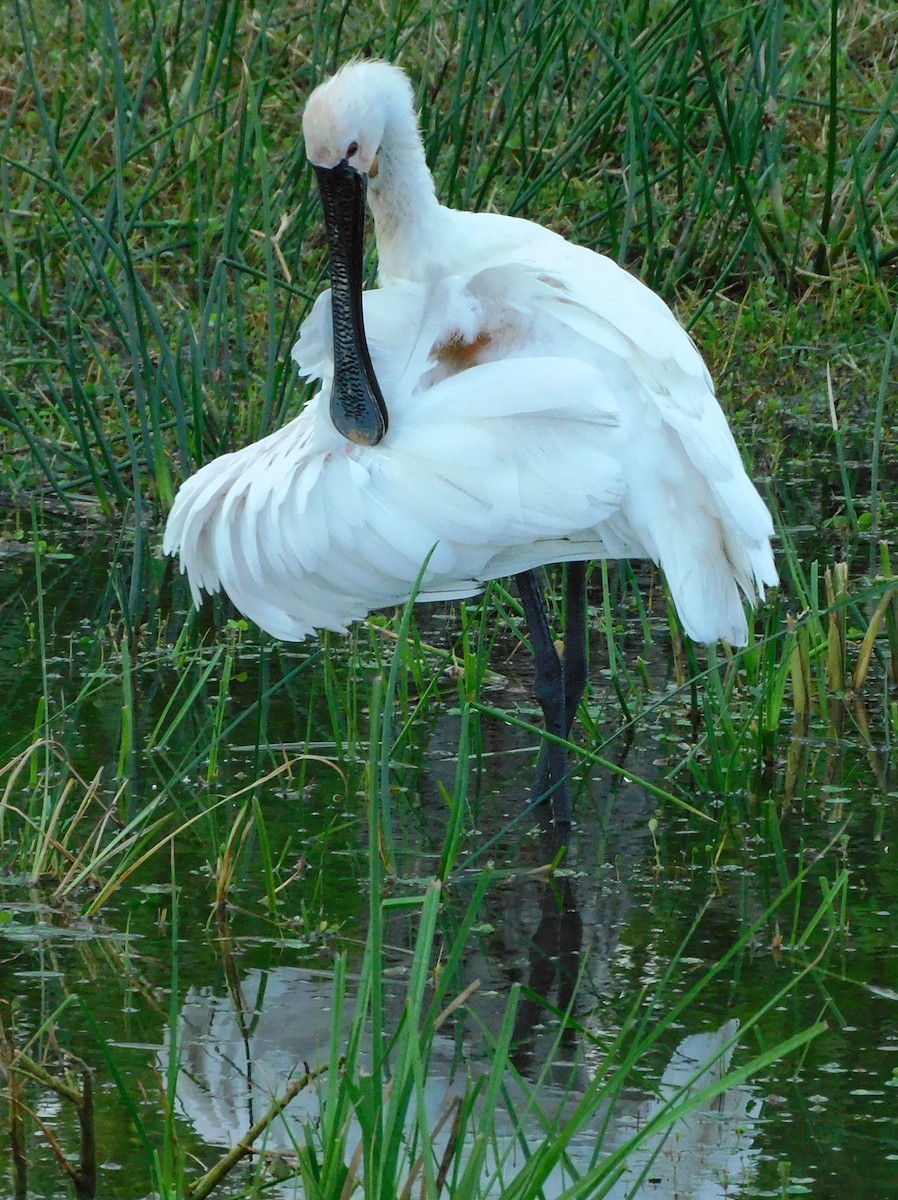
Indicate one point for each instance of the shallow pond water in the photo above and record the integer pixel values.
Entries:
(243, 988)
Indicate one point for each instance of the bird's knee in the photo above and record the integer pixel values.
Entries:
(548, 685)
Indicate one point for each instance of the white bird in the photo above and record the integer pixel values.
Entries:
(504, 399)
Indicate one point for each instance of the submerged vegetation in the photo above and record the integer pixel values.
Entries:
(186, 805)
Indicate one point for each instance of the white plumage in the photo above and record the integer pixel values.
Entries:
(544, 406)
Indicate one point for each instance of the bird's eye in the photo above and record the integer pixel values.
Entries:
(352, 148)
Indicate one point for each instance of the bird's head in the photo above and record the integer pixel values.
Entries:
(344, 124)
(346, 117)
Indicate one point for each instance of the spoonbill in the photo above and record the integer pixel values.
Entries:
(504, 399)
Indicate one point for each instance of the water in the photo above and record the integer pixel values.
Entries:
(251, 987)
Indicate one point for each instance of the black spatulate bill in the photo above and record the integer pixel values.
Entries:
(357, 406)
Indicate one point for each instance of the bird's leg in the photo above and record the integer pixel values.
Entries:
(576, 652)
(552, 780)
(575, 662)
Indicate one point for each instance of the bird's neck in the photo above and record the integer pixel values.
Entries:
(403, 201)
